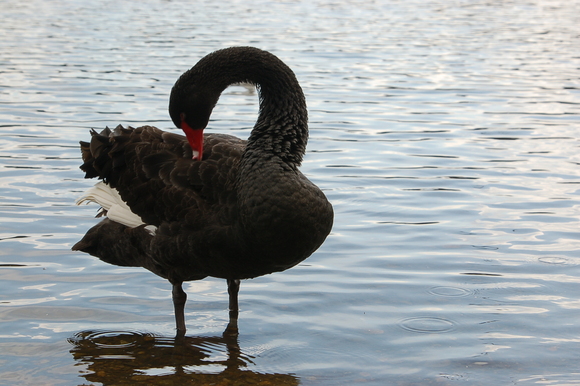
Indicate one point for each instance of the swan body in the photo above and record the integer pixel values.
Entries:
(209, 204)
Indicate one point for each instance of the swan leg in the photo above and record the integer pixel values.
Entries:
(233, 289)
(179, 299)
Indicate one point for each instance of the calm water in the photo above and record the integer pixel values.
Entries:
(444, 133)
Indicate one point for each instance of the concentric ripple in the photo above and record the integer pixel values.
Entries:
(427, 325)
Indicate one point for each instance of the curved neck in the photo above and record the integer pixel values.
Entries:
(282, 126)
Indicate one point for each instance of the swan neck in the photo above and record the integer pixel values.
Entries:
(282, 126)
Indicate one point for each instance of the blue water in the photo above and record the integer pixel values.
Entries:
(444, 133)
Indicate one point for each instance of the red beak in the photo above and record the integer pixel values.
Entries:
(195, 139)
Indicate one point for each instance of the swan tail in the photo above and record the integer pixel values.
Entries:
(117, 244)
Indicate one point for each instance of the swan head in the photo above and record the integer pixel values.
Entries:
(190, 107)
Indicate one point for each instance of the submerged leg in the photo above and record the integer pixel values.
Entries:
(179, 299)
(233, 288)
(231, 331)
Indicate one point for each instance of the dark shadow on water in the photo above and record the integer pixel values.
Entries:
(135, 358)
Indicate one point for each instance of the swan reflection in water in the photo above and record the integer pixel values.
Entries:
(134, 358)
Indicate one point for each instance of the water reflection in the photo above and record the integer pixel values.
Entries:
(134, 358)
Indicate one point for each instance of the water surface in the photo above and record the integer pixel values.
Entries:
(444, 133)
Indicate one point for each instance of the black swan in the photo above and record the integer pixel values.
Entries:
(209, 204)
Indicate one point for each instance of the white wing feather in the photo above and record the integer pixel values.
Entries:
(110, 200)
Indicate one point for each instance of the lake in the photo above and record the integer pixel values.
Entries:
(445, 134)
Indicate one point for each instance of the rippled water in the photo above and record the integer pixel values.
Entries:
(444, 133)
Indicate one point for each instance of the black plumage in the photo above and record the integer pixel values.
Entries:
(239, 210)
